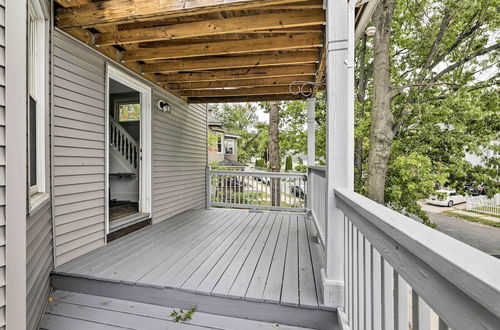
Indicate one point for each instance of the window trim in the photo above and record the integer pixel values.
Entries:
(37, 15)
(222, 143)
(233, 141)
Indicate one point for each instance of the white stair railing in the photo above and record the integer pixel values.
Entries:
(123, 143)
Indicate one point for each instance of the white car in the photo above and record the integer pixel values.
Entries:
(446, 197)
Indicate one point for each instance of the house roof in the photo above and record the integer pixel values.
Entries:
(212, 120)
(210, 51)
(231, 163)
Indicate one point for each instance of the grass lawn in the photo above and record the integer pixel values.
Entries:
(472, 219)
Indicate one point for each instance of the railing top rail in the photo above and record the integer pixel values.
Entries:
(260, 174)
(469, 269)
(317, 168)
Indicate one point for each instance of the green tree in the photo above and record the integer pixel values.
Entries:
(241, 119)
(426, 54)
(288, 164)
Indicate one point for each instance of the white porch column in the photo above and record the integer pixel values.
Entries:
(339, 138)
(311, 131)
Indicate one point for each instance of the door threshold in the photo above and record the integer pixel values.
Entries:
(127, 221)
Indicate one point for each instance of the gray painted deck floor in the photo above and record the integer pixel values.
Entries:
(76, 311)
(271, 257)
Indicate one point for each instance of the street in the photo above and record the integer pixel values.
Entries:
(482, 237)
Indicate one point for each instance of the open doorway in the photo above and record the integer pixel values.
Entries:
(128, 153)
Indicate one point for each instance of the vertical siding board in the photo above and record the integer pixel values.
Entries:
(79, 157)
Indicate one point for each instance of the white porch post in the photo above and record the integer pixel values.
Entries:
(339, 138)
(311, 131)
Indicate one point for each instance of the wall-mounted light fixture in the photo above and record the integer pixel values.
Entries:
(370, 31)
(164, 106)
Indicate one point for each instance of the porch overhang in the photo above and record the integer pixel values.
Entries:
(211, 51)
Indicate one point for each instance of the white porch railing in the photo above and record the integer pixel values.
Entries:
(123, 142)
(483, 204)
(255, 190)
(317, 197)
(389, 258)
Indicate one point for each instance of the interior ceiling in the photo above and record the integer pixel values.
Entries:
(116, 87)
(209, 51)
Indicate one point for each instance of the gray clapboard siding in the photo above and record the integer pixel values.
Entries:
(2, 166)
(79, 149)
(179, 158)
(39, 262)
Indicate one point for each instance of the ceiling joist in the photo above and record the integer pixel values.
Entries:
(241, 24)
(249, 83)
(236, 74)
(224, 48)
(126, 11)
(248, 98)
(237, 92)
(217, 63)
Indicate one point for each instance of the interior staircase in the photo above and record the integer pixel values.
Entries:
(124, 147)
(124, 181)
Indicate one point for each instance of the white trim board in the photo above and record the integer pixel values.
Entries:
(145, 154)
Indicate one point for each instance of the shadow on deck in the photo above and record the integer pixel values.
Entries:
(259, 266)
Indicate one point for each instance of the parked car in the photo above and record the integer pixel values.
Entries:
(446, 197)
(474, 190)
(297, 191)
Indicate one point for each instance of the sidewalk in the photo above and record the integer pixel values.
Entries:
(459, 210)
(476, 215)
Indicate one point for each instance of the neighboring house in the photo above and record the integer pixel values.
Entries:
(223, 146)
(103, 134)
(487, 154)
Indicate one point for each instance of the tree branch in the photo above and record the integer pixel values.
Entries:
(462, 62)
(435, 45)
(460, 39)
(396, 91)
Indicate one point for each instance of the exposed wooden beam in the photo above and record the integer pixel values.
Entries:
(316, 4)
(225, 48)
(215, 63)
(278, 81)
(320, 71)
(251, 73)
(215, 27)
(237, 92)
(125, 11)
(72, 3)
(233, 99)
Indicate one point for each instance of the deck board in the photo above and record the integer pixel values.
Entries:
(255, 288)
(181, 255)
(76, 311)
(269, 256)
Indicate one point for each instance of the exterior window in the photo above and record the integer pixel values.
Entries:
(220, 142)
(229, 147)
(129, 112)
(37, 64)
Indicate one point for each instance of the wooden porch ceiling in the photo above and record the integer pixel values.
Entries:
(208, 50)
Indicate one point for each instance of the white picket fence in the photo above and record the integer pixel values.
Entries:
(483, 204)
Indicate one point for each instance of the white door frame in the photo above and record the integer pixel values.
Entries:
(145, 158)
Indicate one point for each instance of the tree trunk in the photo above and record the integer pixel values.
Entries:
(361, 97)
(273, 147)
(381, 134)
